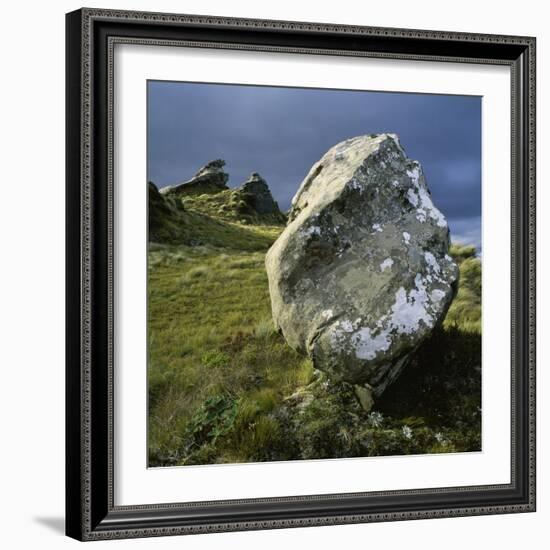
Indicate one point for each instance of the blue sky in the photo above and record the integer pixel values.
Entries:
(281, 132)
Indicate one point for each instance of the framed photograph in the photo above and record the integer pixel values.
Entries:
(300, 274)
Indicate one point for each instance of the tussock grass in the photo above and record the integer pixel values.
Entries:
(210, 336)
(264, 329)
(194, 275)
(465, 311)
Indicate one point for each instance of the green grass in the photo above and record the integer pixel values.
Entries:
(197, 229)
(465, 311)
(172, 221)
(232, 205)
(220, 377)
(211, 338)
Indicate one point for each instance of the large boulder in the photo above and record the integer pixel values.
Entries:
(211, 178)
(361, 274)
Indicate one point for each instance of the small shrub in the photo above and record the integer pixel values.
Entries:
(215, 418)
(375, 419)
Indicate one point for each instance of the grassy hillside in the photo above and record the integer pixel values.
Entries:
(465, 311)
(173, 220)
(233, 205)
(224, 387)
(215, 362)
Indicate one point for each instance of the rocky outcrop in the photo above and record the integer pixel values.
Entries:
(211, 178)
(256, 193)
(361, 275)
(165, 215)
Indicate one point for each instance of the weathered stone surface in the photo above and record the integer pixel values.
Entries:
(361, 274)
(259, 196)
(211, 178)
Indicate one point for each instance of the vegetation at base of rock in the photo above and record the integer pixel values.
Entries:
(225, 388)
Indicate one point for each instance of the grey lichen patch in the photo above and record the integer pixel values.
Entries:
(361, 275)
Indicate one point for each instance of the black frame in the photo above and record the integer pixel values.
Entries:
(91, 36)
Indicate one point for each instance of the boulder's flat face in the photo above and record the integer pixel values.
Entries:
(361, 274)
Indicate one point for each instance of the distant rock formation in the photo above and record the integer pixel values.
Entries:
(207, 192)
(361, 274)
(256, 193)
(211, 178)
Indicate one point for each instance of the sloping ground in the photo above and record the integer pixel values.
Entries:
(216, 368)
(173, 221)
(224, 386)
(233, 205)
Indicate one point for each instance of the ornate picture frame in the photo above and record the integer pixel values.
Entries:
(91, 509)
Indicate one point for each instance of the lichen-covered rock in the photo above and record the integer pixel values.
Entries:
(259, 196)
(361, 274)
(211, 178)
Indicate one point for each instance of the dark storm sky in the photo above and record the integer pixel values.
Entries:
(281, 132)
